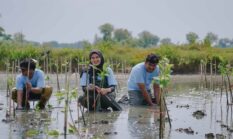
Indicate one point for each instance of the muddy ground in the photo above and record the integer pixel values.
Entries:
(195, 112)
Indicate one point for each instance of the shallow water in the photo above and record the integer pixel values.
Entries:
(186, 95)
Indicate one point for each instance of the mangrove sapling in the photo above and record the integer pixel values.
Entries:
(69, 95)
(211, 75)
(10, 83)
(163, 79)
(58, 83)
(77, 95)
(222, 81)
(97, 99)
(215, 74)
(27, 91)
(205, 72)
(7, 72)
(118, 83)
(203, 64)
(201, 68)
(76, 83)
(102, 75)
(225, 70)
(229, 84)
(67, 86)
(93, 78)
(86, 64)
(72, 128)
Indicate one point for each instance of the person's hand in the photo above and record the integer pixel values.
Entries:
(91, 87)
(98, 89)
(102, 91)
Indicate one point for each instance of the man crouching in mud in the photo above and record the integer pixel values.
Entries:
(30, 85)
(140, 79)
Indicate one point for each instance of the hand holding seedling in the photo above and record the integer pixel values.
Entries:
(102, 91)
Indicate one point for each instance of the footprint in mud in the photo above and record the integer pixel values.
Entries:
(199, 114)
(101, 122)
(110, 133)
(212, 136)
(186, 130)
(183, 106)
(1, 107)
(229, 128)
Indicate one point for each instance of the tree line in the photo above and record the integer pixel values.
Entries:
(145, 39)
(119, 48)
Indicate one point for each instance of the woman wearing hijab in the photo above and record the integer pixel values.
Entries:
(98, 86)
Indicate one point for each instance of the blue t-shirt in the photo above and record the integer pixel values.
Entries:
(37, 80)
(140, 75)
(110, 77)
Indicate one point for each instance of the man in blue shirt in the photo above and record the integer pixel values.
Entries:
(30, 85)
(140, 79)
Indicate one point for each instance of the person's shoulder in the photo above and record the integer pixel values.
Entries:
(19, 76)
(39, 71)
(139, 66)
(83, 71)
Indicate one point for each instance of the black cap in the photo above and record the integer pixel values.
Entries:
(152, 58)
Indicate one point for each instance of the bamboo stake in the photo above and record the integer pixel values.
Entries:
(58, 84)
(229, 85)
(226, 91)
(161, 127)
(66, 101)
(205, 70)
(169, 119)
(27, 91)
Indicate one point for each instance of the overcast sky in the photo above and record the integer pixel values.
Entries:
(75, 20)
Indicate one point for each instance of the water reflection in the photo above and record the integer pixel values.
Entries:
(143, 122)
(26, 122)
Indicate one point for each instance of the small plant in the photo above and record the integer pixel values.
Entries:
(226, 70)
(32, 133)
(163, 79)
(102, 74)
(54, 133)
(165, 73)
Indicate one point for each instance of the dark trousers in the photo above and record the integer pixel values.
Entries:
(105, 101)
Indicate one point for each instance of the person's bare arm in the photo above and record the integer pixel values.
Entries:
(145, 94)
(156, 92)
(19, 98)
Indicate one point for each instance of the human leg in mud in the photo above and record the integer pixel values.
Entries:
(109, 101)
(83, 100)
(41, 97)
(136, 98)
(45, 96)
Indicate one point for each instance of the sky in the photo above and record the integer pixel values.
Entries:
(68, 21)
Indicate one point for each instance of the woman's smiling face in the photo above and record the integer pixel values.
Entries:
(95, 59)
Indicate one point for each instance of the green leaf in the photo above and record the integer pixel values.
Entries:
(53, 133)
(32, 133)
